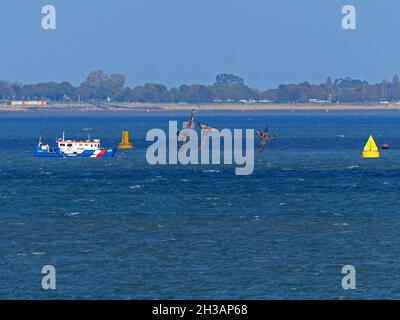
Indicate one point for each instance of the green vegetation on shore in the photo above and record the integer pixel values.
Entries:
(227, 88)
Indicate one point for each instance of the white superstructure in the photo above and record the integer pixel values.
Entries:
(77, 146)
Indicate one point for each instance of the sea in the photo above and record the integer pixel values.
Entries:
(121, 228)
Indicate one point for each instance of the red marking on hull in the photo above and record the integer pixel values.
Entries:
(101, 154)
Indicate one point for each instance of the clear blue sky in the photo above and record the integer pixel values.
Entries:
(267, 42)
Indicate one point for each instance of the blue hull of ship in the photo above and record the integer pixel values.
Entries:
(55, 153)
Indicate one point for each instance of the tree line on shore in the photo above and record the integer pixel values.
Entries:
(99, 86)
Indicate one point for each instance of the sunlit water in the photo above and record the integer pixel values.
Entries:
(122, 229)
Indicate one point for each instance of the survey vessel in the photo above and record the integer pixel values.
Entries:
(90, 148)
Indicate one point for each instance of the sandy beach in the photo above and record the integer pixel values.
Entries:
(160, 107)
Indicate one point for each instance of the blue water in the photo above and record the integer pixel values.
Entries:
(122, 229)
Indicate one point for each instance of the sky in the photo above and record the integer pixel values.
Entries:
(267, 42)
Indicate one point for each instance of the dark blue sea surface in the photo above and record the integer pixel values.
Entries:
(122, 229)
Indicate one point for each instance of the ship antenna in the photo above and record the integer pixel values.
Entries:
(63, 135)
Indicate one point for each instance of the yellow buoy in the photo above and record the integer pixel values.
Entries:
(370, 149)
(125, 144)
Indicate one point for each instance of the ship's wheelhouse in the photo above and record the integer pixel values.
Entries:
(71, 146)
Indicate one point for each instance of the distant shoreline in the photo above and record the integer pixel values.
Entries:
(162, 107)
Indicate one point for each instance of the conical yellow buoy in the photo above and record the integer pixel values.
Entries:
(125, 144)
(370, 149)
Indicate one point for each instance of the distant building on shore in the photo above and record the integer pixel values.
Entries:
(29, 103)
(319, 101)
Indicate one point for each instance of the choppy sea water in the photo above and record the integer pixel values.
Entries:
(122, 229)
